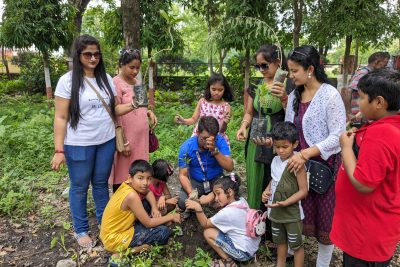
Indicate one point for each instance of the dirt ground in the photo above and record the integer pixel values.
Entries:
(28, 243)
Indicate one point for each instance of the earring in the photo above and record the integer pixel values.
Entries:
(309, 75)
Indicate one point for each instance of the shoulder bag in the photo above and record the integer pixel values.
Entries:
(119, 132)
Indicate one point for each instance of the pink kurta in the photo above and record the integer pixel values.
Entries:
(136, 129)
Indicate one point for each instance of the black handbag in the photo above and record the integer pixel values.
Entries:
(320, 176)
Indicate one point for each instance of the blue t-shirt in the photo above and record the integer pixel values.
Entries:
(188, 159)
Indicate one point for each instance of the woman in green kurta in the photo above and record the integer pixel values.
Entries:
(273, 99)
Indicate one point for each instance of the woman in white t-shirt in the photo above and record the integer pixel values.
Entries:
(84, 133)
(225, 232)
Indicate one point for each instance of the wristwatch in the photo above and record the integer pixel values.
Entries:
(215, 152)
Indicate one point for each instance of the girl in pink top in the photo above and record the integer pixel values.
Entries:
(135, 123)
(162, 171)
(215, 103)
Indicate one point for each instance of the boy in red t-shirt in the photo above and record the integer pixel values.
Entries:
(366, 224)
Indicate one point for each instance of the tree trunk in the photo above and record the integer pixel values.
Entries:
(349, 38)
(46, 64)
(246, 76)
(208, 18)
(81, 7)
(298, 20)
(326, 49)
(355, 67)
(222, 55)
(131, 23)
(345, 91)
(5, 62)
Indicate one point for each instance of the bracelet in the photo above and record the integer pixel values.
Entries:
(302, 156)
(246, 121)
(199, 211)
(59, 151)
(133, 105)
(126, 144)
(284, 98)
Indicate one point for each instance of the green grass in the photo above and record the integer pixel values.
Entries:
(26, 148)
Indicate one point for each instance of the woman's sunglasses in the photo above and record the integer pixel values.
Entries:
(261, 67)
(89, 55)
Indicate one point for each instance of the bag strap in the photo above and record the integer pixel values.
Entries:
(239, 206)
(102, 101)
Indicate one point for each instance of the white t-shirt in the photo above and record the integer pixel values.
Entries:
(232, 221)
(277, 168)
(95, 125)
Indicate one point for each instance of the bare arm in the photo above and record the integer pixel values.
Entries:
(195, 116)
(241, 134)
(133, 202)
(60, 128)
(184, 180)
(201, 217)
(225, 162)
(153, 203)
(297, 161)
(122, 109)
(350, 161)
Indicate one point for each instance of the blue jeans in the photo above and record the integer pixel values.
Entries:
(88, 164)
(157, 235)
(226, 244)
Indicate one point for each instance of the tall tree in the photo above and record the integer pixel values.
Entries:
(47, 28)
(131, 23)
(80, 6)
(367, 21)
(211, 11)
(245, 27)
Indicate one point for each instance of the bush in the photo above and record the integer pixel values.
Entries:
(12, 87)
(32, 71)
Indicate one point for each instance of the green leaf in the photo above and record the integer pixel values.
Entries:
(53, 242)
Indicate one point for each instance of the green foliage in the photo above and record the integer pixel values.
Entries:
(26, 131)
(31, 65)
(12, 87)
(44, 24)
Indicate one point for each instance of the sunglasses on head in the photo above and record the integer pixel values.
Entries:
(89, 55)
(296, 52)
(129, 51)
(263, 66)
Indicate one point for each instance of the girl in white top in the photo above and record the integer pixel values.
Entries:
(225, 232)
(84, 133)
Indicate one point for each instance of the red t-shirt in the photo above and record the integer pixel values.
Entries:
(157, 191)
(367, 226)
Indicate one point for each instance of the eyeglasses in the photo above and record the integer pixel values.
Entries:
(89, 55)
(261, 67)
(297, 52)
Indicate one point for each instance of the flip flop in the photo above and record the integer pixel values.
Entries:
(79, 237)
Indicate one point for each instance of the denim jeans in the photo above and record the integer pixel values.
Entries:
(157, 235)
(226, 244)
(88, 165)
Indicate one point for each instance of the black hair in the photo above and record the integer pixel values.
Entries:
(306, 56)
(271, 53)
(162, 169)
(378, 56)
(216, 77)
(127, 55)
(209, 124)
(78, 46)
(285, 130)
(231, 181)
(140, 165)
(382, 82)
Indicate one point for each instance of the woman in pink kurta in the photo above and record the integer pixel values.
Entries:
(134, 123)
